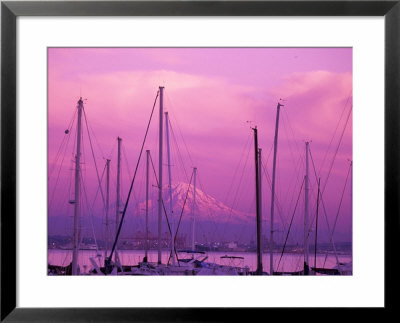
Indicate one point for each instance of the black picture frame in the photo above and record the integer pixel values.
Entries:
(10, 10)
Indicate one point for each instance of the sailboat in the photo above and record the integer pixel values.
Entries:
(73, 268)
(340, 268)
(196, 263)
(257, 153)
(177, 264)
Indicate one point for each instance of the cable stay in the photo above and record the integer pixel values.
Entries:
(300, 164)
(162, 201)
(334, 133)
(325, 213)
(124, 155)
(107, 261)
(234, 202)
(340, 204)
(316, 226)
(209, 213)
(180, 218)
(91, 216)
(276, 200)
(64, 141)
(179, 162)
(290, 225)
(248, 144)
(337, 147)
(94, 160)
(182, 164)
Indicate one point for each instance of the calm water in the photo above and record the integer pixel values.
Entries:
(289, 262)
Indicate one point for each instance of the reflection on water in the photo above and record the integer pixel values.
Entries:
(289, 262)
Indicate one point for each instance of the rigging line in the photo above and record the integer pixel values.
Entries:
(65, 138)
(278, 204)
(95, 138)
(315, 207)
(128, 170)
(340, 204)
(251, 208)
(94, 160)
(237, 167)
(111, 153)
(176, 159)
(72, 168)
(290, 148)
(126, 160)
(69, 128)
(299, 149)
(234, 202)
(338, 146)
(247, 186)
(325, 213)
(59, 171)
(165, 210)
(290, 225)
(278, 179)
(58, 174)
(82, 174)
(297, 171)
(297, 165)
(101, 180)
(269, 154)
(183, 207)
(162, 201)
(139, 210)
(179, 129)
(83, 155)
(133, 180)
(91, 215)
(316, 227)
(178, 150)
(334, 133)
(276, 201)
(209, 213)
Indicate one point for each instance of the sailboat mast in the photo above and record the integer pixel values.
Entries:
(258, 203)
(118, 184)
(77, 188)
(194, 208)
(306, 229)
(160, 165)
(271, 239)
(259, 218)
(117, 205)
(147, 206)
(316, 226)
(172, 220)
(107, 206)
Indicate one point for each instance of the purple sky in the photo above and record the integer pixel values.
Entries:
(210, 94)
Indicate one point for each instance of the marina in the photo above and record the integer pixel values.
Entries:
(291, 262)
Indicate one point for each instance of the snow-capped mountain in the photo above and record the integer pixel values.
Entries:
(206, 208)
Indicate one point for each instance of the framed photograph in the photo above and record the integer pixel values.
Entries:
(155, 152)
